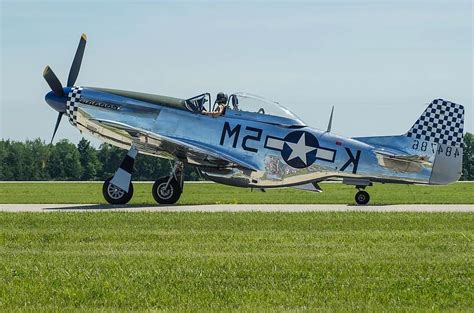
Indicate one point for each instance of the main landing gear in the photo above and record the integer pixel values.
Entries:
(115, 195)
(118, 189)
(168, 189)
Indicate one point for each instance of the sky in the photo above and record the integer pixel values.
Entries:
(378, 62)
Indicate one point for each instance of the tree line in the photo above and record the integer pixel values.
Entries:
(36, 160)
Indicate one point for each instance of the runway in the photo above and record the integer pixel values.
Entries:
(237, 208)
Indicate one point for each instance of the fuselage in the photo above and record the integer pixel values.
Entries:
(279, 152)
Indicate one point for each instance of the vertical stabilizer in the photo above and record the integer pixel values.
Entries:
(441, 125)
(442, 122)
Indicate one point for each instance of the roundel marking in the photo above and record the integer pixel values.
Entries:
(299, 149)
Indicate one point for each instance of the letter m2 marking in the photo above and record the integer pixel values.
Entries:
(230, 133)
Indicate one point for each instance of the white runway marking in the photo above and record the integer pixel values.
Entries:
(237, 208)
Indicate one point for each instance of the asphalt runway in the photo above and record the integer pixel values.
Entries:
(237, 208)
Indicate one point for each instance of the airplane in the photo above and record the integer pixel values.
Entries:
(255, 143)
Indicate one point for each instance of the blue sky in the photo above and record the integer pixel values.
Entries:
(379, 62)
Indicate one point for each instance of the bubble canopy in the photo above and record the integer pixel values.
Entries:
(252, 103)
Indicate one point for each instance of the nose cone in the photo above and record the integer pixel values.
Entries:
(56, 102)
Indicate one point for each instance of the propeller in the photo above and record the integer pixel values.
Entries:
(76, 63)
(53, 81)
(57, 99)
(57, 125)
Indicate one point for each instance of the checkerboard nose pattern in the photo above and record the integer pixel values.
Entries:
(71, 104)
(442, 122)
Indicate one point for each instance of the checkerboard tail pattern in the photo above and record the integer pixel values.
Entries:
(442, 122)
(72, 104)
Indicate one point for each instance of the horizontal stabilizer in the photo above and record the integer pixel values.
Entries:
(403, 163)
(404, 157)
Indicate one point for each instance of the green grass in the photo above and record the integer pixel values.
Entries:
(219, 194)
(236, 261)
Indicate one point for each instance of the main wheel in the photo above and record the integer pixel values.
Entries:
(115, 195)
(166, 194)
(362, 197)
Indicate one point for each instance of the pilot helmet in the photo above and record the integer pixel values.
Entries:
(221, 98)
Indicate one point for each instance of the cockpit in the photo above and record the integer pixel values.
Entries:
(249, 106)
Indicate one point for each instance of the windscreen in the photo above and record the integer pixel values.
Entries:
(253, 103)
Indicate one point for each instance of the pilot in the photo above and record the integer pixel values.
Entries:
(221, 102)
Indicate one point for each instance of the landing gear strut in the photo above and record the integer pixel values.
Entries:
(118, 189)
(362, 197)
(168, 189)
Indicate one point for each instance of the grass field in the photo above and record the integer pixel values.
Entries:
(459, 193)
(234, 262)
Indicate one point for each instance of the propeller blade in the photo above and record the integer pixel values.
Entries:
(76, 63)
(53, 81)
(57, 125)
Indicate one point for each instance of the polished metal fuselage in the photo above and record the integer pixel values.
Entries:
(257, 139)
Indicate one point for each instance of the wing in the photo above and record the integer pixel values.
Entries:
(194, 152)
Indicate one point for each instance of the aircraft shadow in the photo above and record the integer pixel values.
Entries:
(110, 207)
(105, 207)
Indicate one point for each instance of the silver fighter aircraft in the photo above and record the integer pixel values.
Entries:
(252, 142)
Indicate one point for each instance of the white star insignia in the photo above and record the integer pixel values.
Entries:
(300, 149)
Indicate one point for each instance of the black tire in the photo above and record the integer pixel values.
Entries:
(115, 195)
(362, 197)
(169, 195)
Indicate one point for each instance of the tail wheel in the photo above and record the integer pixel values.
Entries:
(362, 197)
(164, 194)
(115, 195)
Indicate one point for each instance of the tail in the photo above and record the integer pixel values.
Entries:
(436, 137)
(442, 124)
